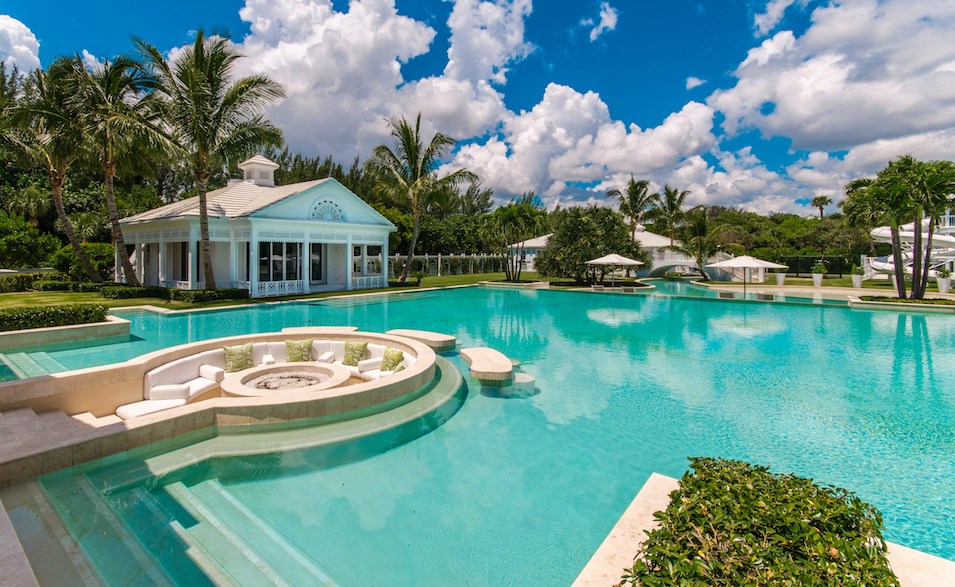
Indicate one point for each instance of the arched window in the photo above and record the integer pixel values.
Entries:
(328, 211)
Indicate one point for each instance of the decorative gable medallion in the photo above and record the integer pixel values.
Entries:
(327, 211)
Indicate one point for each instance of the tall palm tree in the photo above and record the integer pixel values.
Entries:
(699, 241)
(871, 200)
(216, 120)
(635, 202)
(407, 172)
(668, 210)
(46, 127)
(114, 116)
(820, 202)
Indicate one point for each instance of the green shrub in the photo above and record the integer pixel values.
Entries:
(44, 316)
(18, 282)
(124, 292)
(819, 268)
(929, 301)
(50, 285)
(208, 295)
(85, 286)
(732, 523)
(101, 255)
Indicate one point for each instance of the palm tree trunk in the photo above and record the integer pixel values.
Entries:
(928, 258)
(917, 255)
(416, 228)
(205, 252)
(897, 260)
(57, 178)
(109, 170)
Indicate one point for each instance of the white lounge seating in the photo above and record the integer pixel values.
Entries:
(178, 382)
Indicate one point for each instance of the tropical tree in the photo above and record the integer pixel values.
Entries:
(635, 202)
(216, 121)
(870, 201)
(667, 211)
(514, 223)
(820, 202)
(407, 172)
(32, 202)
(117, 116)
(699, 240)
(45, 126)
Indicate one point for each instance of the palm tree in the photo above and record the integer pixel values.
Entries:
(668, 210)
(872, 200)
(820, 202)
(32, 202)
(635, 202)
(215, 120)
(408, 172)
(699, 240)
(114, 117)
(515, 223)
(46, 127)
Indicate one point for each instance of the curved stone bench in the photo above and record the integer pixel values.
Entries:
(488, 364)
(439, 342)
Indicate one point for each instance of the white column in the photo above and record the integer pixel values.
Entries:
(141, 261)
(364, 260)
(253, 265)
(439, 264)
(384, 262)
(348, 263)
(233, 262)
(117, 266)
(161, 260)
(306, 265)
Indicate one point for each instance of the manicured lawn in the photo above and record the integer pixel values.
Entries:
(54, 298)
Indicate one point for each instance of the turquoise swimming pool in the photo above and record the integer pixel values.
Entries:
(522, 490)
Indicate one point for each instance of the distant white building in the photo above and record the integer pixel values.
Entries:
(655, 245)
(273, 240)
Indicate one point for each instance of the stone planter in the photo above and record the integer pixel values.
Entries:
(817, 279)
(944, 284)
(780, 279)
(856, 281)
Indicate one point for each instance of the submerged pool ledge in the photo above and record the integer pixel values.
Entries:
(15, 339)
(913, 567)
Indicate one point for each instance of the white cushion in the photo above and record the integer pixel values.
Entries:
(200, 385)
(259, 350)
(212, 372)
(147, 407)
(369, 364)
(279, 351)
(337, 347)
(319, 348)
(375, 351)
(168, 391)
(176, 371)
(373, 374)
(215, 357)
(267, 360)
(327, 357)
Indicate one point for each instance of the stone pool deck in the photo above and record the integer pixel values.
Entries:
(912, 567)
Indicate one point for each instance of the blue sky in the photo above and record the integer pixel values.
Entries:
(758, 104)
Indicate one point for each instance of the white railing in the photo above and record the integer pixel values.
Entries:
(184, 284)
(368, 281)
(279, 288)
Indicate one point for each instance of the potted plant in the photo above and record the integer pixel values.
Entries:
(944, 279)
(781, 277)
(818, 271)
(856, 274)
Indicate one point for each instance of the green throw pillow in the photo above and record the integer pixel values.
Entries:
(391, 359)
(299, 350)
(238, 357)
(354, 352)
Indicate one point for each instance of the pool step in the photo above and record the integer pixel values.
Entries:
(24, 365)
(90, 420)
(240, 544)
(117, 553)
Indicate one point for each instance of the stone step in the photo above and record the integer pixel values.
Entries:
(96, 422)
(62, 426)
(45, 361)
(218, 544)
(26, 426)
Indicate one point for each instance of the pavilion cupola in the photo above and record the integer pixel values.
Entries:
(259, 170)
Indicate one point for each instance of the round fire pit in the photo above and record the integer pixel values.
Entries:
(284, 377)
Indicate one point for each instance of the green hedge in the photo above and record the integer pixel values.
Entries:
(732, 523)
(929, 301)
(75, 286)
(44, 316)
(123, 292)
(208, 295)
(18, 282)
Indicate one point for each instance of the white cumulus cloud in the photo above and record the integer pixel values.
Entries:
(18, 45)
(694, 82)
(766, 21)
(485, 37)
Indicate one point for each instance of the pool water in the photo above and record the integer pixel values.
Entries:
(522, 490)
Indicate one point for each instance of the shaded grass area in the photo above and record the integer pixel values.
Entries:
(30, 299)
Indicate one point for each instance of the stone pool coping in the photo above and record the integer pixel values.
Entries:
(913, 568)
(112, 326)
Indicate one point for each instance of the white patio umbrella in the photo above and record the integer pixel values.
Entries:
(745, 262)
(614, 259)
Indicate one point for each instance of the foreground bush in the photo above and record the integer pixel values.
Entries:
(18, 282)
(42, 317)
(124, 292)
(732, 523)
(208, 295)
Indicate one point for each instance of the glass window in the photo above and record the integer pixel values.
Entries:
(265, 253)
(292, 261)
(315, 262)
(374, 259)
